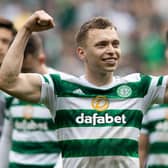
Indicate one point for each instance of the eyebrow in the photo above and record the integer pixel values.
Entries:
(107, 41)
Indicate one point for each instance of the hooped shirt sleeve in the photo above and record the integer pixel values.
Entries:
(155, 114)
(155, 92)
(48, 96)
(155, 95)
(158, 88)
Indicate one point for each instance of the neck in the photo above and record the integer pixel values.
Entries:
(43, 69)
(99, 79)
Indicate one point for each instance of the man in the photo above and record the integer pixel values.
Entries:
(7, 34)
(154, 134)
(29, 128)
(98, 116)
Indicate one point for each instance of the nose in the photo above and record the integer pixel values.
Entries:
(110, 49)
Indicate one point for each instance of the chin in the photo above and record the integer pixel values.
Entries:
(110, 69)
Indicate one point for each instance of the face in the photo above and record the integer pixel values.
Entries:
(30, 64)
(102, 50)
(6, 38)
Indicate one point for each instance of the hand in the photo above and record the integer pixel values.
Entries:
(39, 21)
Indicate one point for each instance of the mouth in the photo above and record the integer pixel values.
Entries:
(109, 60)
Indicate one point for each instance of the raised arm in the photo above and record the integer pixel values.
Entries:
(23, 86)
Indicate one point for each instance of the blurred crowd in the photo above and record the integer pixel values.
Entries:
(141, 23)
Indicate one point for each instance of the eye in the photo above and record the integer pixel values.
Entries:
(101, 44)
(5, 41)
(116, 43)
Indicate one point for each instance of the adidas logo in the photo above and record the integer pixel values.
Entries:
(78, 91)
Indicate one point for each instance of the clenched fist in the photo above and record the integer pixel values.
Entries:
(39, 21)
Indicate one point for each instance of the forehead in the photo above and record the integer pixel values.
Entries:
(5, 33)
(97, 35)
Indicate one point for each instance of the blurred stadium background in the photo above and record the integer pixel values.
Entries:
(141, 23)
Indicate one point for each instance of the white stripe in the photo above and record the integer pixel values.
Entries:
(41, 78)
(155, 94)
(99, 132)
(144, 131)
(156, 114)
(49, 80)
(59, 163)
(116, 81)
(102, 162)
(85, 103)
(159, 137)
(37, 159)
(34, 136)
(37, 112)
(156, 159)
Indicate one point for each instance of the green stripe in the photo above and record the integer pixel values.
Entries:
(35, 147)
(21, 124)
(11, 101)
(158, 166)
(100, 147)
(16, 165)
(152, 125)
(46, 80)
(160, 81)
(66, 88)
(159, 148)
(24, 103)
(67, 118)
(21, 103)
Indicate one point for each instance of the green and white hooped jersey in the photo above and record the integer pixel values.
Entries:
(155, 125)
(34, 143)
(33, 136)
(99, 126)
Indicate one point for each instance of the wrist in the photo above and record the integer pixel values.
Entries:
(27, 29)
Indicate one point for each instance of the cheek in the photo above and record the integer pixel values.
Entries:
(92, 57)
(97, 53)
(118, 53)
(5, 47)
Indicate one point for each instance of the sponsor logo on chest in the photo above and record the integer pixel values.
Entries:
(100, 104)
(31, 125)
(95, 119)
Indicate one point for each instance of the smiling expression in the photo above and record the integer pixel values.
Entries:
(102, 51)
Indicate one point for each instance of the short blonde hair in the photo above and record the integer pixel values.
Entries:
(95, 23)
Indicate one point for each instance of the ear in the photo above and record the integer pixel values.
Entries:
(42, 58)
(81, 53)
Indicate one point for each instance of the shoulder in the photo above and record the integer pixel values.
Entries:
(59, 78)
(53, 72)
(134, 77)
(140, 77)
